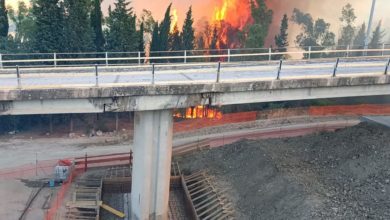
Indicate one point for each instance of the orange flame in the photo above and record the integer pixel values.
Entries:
(231, 16)
(175, 18)
(199, 112)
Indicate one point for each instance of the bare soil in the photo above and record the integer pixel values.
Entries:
(339, 175)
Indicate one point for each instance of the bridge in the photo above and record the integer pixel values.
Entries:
(153, 91)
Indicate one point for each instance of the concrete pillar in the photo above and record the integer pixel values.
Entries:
(151, 164)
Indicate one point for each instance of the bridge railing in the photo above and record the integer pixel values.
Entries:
(191, 56)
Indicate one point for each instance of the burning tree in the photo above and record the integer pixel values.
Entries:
(238, 24)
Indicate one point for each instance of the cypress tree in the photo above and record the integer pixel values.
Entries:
(96, 22)
(122, 34)
(360, 36)
(188, 34)
(141, 42)
(4, 24)
(164, 29)
(281, 40)
(175, 40)
(78, 29)
(155, 45)
(49, 23)
(377, 36)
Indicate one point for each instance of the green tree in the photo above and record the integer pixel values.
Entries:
(147, 19)
(281, 40)
(175, 40)
(316, 34)
(360, 36)
(164, 30)
(348, 28)
(121, 34)
(49, 23)
(155, 44)
(4, 24)
(188, 34)
(24, 26)
(262, 17)
(96, 22)
(141, 42)
(78, 28)
(376, 39)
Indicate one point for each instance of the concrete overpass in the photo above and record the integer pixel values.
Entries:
(154, 100)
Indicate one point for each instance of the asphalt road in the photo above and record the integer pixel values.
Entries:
(181, 74)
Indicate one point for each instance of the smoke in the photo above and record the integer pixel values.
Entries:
(330, 10)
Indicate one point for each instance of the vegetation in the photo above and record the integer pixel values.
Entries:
(281, 40)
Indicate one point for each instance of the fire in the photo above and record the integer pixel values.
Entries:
(199, 112)
(175, 18)
(230, 17)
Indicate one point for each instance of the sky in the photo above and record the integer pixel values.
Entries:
(330, 10)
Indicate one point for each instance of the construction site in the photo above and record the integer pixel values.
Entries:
(329, 162)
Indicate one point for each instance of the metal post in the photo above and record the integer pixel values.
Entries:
(309, 53)
(36, 164)
(106, 58)
(18, 76)
(369, 27)
(153, 68)
(139, 58)
(228, 55)
(96, 75)
(335, 67)
(387, 66)
(348, 48)
(55, 59)
(383, 50)
(279, 69)
(269, 54)
(218, 72)
(185, 56)
(85, 162)
(1, 61)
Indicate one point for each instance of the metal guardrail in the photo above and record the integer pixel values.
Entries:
(223, 55)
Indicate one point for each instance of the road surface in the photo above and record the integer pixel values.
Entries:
(182, 74)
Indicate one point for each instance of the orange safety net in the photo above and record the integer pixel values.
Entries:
(350, 110)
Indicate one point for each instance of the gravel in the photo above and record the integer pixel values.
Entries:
(339, 175)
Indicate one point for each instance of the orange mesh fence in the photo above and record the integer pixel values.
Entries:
(193, 124)
(57, 203)
(350, 110)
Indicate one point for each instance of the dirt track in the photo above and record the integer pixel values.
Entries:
(341, 175)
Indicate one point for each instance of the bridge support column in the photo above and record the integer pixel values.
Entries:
(151, 164)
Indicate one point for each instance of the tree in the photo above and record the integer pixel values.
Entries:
(155, 44)
(262, 17)
(4, 25)
(141, 42)
(147, 19)
(315, 34)
(377, 37)
(164, 30)
(281, 40)
(121, 34)
(188, 34)
(24, 26)
(360, 36)
(214, 39)
(175, 40)
(78, 28)
(348, 29)
(49, 23)
(96, 23)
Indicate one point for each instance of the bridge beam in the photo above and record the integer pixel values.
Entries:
(151, 164)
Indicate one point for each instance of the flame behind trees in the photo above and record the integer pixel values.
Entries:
(236, 24)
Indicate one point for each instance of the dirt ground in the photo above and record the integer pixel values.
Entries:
(341, 175)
